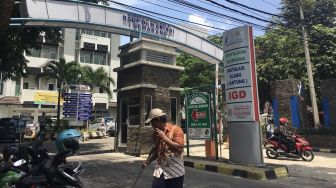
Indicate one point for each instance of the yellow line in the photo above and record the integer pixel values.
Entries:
(281, 172)
(199, 166)
(256, 175)
(224, 170)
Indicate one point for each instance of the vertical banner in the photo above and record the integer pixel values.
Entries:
(240, 75)
(294, 104)
(241, 94)
(275, 105)
(326, 112)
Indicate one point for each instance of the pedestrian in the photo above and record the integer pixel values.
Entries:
(42, 121)
(168, 142)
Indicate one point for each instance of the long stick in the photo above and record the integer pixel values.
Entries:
(137, 177)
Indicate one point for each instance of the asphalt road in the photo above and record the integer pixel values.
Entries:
(118, 170)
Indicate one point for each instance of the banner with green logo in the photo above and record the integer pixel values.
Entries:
(199, 116)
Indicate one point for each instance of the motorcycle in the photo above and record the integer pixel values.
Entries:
(32, 166)
(275, 148)
(51, 173)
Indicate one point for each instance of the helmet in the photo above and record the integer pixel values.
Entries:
(283, 121)
(68, 140)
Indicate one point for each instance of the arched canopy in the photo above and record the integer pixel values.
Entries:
(78, 14)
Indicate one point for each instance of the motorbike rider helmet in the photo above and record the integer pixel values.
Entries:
(283, 121)
(68, 140)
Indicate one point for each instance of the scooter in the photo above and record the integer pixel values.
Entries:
(51, 173)
(275, 148)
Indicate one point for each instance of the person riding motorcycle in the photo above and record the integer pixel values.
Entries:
(285, 134)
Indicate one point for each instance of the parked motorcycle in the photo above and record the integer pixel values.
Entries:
(275, 148)
(51, 173)
(39, 169)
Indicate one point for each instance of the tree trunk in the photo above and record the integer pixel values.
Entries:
(6, 9)
(59, 106)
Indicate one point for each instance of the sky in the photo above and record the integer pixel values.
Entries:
(271, 6)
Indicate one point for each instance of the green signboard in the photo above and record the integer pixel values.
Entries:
(199, 116)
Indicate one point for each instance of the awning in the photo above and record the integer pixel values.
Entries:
(10, 100)
(34, 70)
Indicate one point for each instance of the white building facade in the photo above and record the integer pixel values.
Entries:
(30, 96)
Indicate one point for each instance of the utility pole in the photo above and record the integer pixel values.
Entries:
(309, 69)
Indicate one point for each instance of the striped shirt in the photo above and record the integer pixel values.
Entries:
(170, 162)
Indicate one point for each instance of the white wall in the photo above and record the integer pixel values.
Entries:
(9, 88)
(9, 110)
(69, 44)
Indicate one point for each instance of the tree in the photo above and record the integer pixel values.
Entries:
(15, 41)
(196, 72)
(64, 73)
(97, 78)
(280, 53)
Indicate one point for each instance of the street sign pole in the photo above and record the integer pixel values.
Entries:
(77, 106)
(214, 121)
(187, 123)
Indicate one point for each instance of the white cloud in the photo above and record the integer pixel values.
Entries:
(204, 21)
(199, 20)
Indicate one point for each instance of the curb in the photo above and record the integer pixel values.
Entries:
(324, 150)
(249, 172)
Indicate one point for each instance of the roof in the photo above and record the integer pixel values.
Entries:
(10, 100)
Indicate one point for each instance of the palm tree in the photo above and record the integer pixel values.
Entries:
(97, 78)
(64, 73)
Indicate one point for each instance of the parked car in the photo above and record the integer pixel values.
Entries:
(110, 124)
(12, 128)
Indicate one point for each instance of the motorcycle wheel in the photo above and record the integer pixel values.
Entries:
(307, 155)
(270, 154)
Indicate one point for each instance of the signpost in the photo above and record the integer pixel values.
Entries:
(199, 116)
(78, 105)
(241, 96)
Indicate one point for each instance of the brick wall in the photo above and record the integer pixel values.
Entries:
(328, 89)
(283, 90)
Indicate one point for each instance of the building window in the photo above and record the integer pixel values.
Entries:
(25, 85)
(173, 109)
(51, 87)
(34, 52)
(99, 58)
(1, 86)
(17, 87)
(101, 90)
(85, 56)
(148, 106)
(49, 52)
(61, 51)
(134, 111)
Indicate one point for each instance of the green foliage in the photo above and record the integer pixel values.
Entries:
(61, 71)
(280, 52)
(97, 78)
(196, 73)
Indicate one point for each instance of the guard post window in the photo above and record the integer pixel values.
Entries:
(173, 110)
(148, 106)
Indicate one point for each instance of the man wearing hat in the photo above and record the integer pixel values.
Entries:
(168, 142)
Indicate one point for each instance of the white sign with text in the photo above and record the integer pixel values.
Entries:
(240, 75)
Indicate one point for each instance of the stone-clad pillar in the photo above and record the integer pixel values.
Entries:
(328, 89)
(283, 90)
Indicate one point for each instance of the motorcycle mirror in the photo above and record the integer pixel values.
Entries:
(19, 162)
